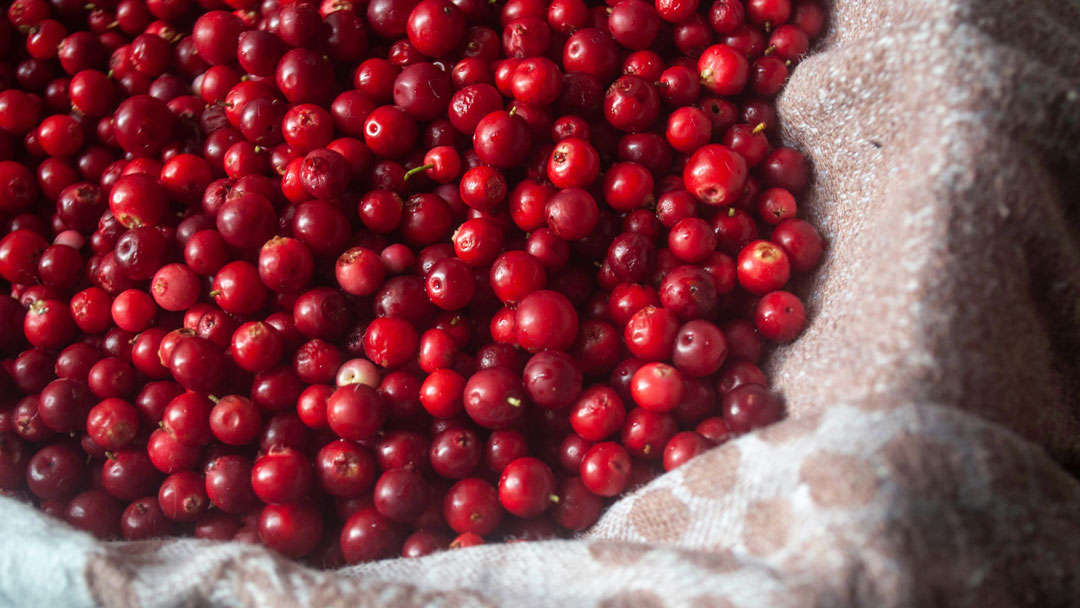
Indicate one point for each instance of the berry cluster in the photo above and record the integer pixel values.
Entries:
(356, 280)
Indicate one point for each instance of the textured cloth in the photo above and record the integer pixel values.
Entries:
(934, 399)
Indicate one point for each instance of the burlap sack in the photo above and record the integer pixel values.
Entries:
(933, 398)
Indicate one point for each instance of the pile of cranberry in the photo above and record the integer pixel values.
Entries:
(362, 280)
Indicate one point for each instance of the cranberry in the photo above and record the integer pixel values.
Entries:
(645, 433)
(216, 525)
(605, 469)
(651, 332)
(750, 406)
(572, 214)
(187, 418)
(784, 168)
(140, 252)
(424, 542)
(144, 519)
(593, 52)
(809, 17)
(545, 320)
(228, 483)
(450, 301)
(129, 474)
(381, 210)
(700, 348)
(400, 495)
(631, 104)
(574, 163)
(494, 398)
(478, 241)
(389, 132)
(780, 316)
(657, 387)
(256, 346)
(182, 496)
(357, 371)
(246, 221)
(715, 174)
(281, 476)
(197, 364)
(526, 487)
(60, 135)
(48, 324)
(734, 230)
(800, 241)
(20, 251)
(344, 468)
(763, 267)
(96, 512)
(536, 81)
(577, 508)
(553, 379)
(472, 505)
(234, 420)
(355, 411)
(743, 340)
(64, 405)
(143, 125)
(402, 449)
(367, 535)
(55, 472)
(112, 424)
(293, 530)
(455, 453)
(598, 413)
(688, 291)
(501, 140)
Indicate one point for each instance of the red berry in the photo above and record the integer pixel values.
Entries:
(545, 320)
(657, 387)
(294, 530)
(598, 413)
(436, 27)
(800, 241)
(780, 316)
(281, 476)
(368, 536)
(749, 407)
(715, 174)
(355, 412)
(494, 398)
(763, 267)
(526, 487)
(723, 70)
(605, 469)
(576, 508)
(472, 505)
(683, 447)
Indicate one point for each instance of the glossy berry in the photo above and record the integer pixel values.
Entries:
(763, 267)
(780, 316)
(657, 387)
(683, 447)
(472, 505)
(605, 468)
(750, 406)
(545, 320)
(281, 476)
(715, 174)
(526, 487)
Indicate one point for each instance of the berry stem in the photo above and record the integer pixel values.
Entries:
(415, 170)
